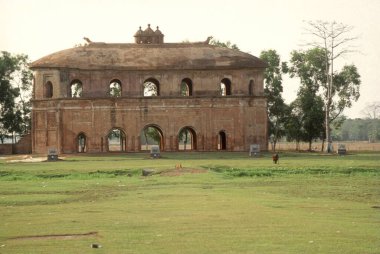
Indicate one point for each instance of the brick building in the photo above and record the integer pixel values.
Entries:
(88, 96)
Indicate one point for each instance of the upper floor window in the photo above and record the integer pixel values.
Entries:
(186, 87)
(76, 89)
(48, 90)
(115, 88)
(151, 87)
(225, 87)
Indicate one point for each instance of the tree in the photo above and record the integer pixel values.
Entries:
(311, 106)
(372, 110)
(309, 67)
(339, 90)
(15, 87)
(227, 44)
(152, 134)
(276, 108)
(293, 125)
(184, 137)
(372, 113)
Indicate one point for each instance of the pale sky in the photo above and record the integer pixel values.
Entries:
(41, 27)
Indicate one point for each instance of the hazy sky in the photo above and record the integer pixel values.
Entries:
(41, 27)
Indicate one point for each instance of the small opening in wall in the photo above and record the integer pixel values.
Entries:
(115, 88)
(225, 87)
(186, 87)
(151, 87)
(76, 89)
(48, 90)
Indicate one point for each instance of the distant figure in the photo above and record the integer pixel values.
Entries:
(87, 39)
(275, 158)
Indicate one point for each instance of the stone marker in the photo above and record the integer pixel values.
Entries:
(52, 154)
(147, 172)
(254, 150)
(342, 149)
(155, 151)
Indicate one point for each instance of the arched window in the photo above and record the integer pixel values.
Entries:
(222, 141)
(225, 87)
(115, 88)
(48, 90)
(250, 87)
(151, 87)
(151, 135)
(187, 139)
(116, 140)
(76, 89)
(81, 143)
(186, 87)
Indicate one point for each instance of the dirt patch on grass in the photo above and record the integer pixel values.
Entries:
(61, 236)
(25, 158)
(181, 171)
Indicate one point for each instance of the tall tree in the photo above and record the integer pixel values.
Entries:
(309, 67)
(311, 106)
(277, 109)
(372, 113)
(15, 87)
(294, 125)
(338, 93)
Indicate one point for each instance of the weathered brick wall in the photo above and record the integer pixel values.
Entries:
(243, 119)
(57, 121)
(6, 149)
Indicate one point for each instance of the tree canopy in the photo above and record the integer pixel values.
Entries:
(226, 44)
(340, 89)
(276, 107)
(15, 88)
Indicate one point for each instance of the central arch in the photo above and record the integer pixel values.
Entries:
(150, 135)
(187, 139)
(116, 140)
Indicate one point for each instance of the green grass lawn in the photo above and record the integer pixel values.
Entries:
(217, 203)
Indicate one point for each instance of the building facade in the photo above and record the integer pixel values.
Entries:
(104, 97)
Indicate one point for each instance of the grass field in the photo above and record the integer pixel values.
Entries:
(217, 203)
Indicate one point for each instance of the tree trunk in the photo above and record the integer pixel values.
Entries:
(146, 140)
(185, 141)
(323, 145)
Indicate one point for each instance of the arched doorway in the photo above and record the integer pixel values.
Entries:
(151, 135)
(81, 143)
(222, 140)
(187, 139)
(116, 140)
